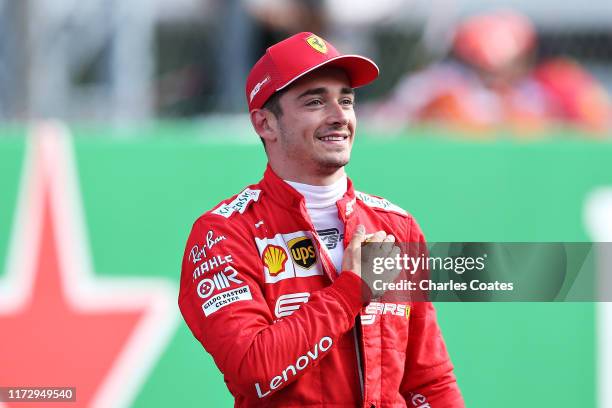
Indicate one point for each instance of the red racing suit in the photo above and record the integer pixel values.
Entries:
(286, 329)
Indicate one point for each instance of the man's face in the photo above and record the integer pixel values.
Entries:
(317, 124)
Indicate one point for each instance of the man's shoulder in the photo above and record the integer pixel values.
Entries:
(393, 213)
(380, 204)
(233, 209)
(238, 203)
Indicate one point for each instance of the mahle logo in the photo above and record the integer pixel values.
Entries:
(274, 258)
(303, 252)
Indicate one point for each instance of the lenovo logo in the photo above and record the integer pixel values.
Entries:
(292, 369)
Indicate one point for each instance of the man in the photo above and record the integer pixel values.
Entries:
(271, 278)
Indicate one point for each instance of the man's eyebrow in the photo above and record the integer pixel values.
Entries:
(322, 91)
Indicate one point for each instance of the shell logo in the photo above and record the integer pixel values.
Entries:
(274, 258)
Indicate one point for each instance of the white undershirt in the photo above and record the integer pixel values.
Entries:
(322, 209)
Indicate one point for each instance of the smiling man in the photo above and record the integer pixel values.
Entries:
(309, 138)
(271, 280)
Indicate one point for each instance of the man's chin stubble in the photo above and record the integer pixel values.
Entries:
(332, 165)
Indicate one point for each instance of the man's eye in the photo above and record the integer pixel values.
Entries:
(314, 102)
(347, 102)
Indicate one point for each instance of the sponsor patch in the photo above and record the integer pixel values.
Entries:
(303, 239)
(221, 300)
(349, 207)
(196, 254)
(239, 204)
(302, 361)
(211, 264)
(258, 87)
(330, 237)
(378, 309)
(303, 252)
(218, 281)
(274, 258)
(419, 400)
(377, 202)
(317, 43)
(289, 303)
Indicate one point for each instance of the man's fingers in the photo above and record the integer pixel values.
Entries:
(388, 244)
(358, 236)
(383, 246)
(375, 241)
(395, 252)
(378, 236)
(352, 254)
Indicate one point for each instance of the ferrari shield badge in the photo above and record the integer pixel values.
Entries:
(317, 43)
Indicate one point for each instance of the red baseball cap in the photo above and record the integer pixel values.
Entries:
(290, 59)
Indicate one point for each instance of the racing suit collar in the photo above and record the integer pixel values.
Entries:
(285, 195)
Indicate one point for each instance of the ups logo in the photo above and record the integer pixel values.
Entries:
(303, 252)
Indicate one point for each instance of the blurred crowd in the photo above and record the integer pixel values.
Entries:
(442, 66)
(492, 79)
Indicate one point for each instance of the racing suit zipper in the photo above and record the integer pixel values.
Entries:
(328, 266)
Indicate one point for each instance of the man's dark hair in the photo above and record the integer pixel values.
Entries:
(273, 105)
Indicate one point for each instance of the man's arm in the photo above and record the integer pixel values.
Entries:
(428, 375)
(239, 331)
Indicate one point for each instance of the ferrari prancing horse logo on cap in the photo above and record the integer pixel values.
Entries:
(317, 43)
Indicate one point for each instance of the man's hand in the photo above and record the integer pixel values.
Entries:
(360, 254)
(351, 260)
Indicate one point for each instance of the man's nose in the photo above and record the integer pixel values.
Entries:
(337, 114)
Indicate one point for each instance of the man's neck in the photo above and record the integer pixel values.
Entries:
(313, 179)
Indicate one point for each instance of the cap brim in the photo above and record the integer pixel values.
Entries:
(360, 70)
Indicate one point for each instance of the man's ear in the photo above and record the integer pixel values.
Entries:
(265, 124)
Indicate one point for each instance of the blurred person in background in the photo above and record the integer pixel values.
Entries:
(272, 281)
(491, 81)
(277, 19)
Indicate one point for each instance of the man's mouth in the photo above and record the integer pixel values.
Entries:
(333, 138)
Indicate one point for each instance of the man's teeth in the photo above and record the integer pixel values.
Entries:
(333, 138)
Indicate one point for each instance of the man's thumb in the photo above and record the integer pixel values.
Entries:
(358, 236)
